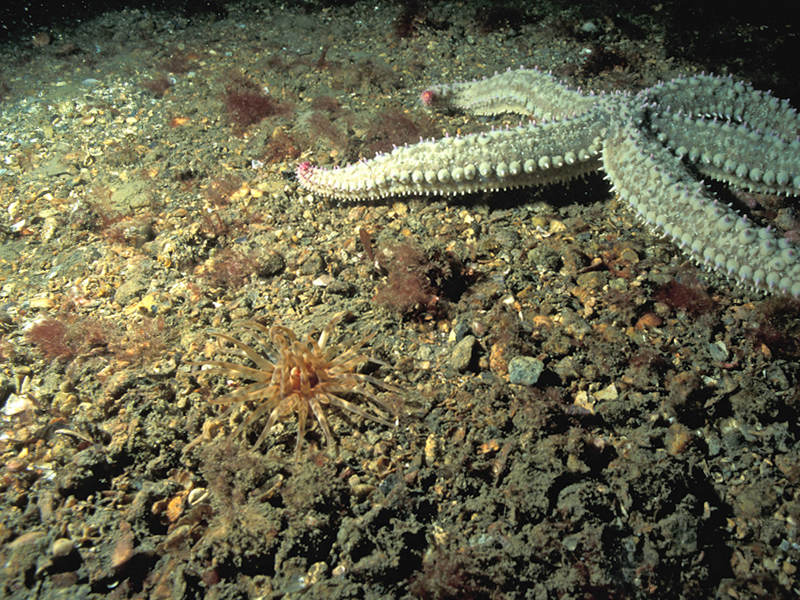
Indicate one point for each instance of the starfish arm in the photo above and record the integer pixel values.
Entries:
(727, 99)
(532, 154)
(663, 193)
(527, 92)
(750, 159)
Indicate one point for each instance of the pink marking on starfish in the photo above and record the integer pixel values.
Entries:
(304, 170)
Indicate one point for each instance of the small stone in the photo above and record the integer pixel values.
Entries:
(341, 288)
(718, 351)
(607, 393)
(566, 369)
(362, 490)
(62, 547)
(463, 354)
(313, 265)
(576, 465)
(570, 542)
(677, 439)
(162, 368)
(647, 321)
(271, 264)
(459, 331)
(16, 404)
(123, 548)
(524, 370)
(592, 280)
(430, 449)
(41, 302)
(129, 290)
(65, 402)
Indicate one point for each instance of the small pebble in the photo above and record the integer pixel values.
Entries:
(718, 351)
(525, 370)
(607, 393)
(463, 354)
(62, 547)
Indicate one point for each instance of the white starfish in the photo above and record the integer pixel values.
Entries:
(653, 146)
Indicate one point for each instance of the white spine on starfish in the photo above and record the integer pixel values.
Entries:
(532, 154)
(662, 192)
(748, 153)
(708, 96)
(523, 91)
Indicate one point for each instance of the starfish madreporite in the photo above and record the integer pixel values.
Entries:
(653, 146)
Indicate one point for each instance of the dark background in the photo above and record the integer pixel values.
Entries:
(758, 41)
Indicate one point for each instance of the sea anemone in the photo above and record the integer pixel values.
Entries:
(306, 376)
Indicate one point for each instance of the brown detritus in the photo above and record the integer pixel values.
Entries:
(157, 86)
(68, 49)
(365, 238)
(647, 357)
(393, 128)
(187, 178)
(276, 62)
(682, 385)
(407, 23)
(7, 349)
(120, 153)
(448, 574)
(229, 269)
(620, 261)
(213, 225)
(51, 337)
(319, 125)
(145, 339)
(599, 59)
(779, 327)
(120, 228)
(220, 190)
(409, 293)
(645, 368)
(647, 321)
(246, 104)
(687, 397)
(365, 75)
(5, 90)
(322, 63)
(179, 62)
(689, 297)
(281, 147)
(117, 227)
(504, 336)
(210, 577)
(326, 103)
(238, 481)
(66, 335)
(133, 230)
(417, 283)
(228, 221)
